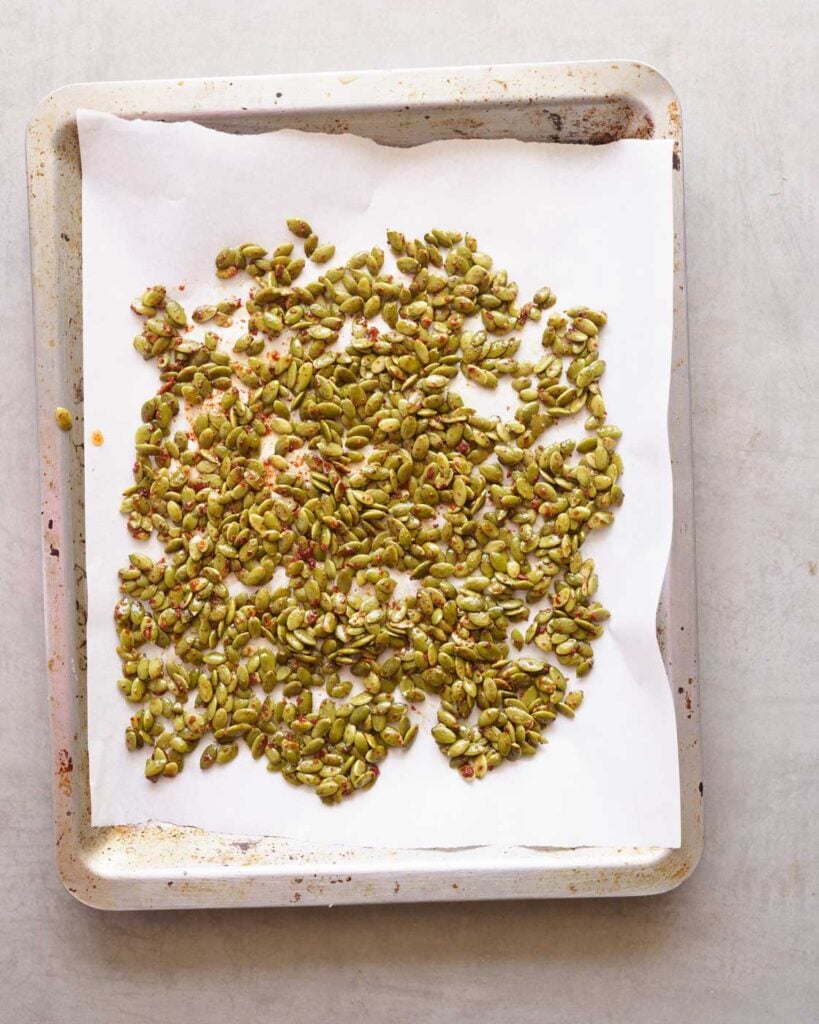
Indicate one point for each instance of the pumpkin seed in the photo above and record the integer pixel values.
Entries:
(322, 253)
(299, 227)
(64, 418)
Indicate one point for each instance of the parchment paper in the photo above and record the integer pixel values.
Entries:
(595, 224)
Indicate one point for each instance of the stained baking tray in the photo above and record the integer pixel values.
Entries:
(164, 866)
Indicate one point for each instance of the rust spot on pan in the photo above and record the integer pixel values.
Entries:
(675, 124)
(65, 766)
(675, 118)
(661, 637)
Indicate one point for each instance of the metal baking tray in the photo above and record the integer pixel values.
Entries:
(165, 866)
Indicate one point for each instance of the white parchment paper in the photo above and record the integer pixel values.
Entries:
(595, 224)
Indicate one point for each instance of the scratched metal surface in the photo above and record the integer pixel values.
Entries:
(166, 866)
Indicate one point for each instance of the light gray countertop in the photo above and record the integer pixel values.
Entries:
(738, 941)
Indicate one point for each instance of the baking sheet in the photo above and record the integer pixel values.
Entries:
(593, 222)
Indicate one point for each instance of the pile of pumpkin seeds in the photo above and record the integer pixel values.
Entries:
(294, 473)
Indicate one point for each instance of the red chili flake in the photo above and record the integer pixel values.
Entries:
(467, 771)
(463, 447)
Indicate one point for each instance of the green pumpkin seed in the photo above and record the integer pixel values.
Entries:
(299, 227)
(64, 418)
(322, 253)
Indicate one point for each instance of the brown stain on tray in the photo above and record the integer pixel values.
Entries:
(65, 766)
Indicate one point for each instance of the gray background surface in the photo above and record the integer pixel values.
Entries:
(738, 942)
